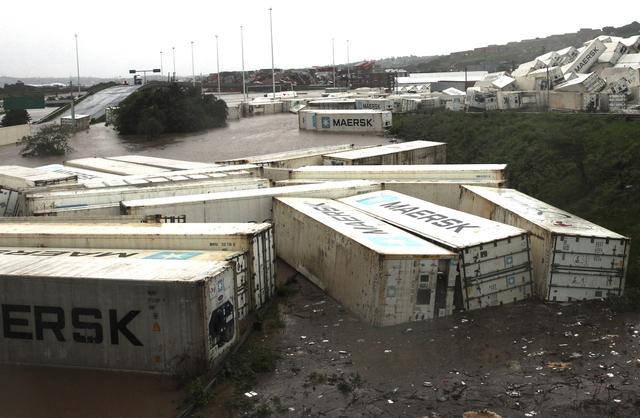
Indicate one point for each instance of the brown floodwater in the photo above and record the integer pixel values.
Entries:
(249, 136)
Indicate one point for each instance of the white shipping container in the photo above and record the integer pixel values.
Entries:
(144, 311)
(241, 205)
(82, 175)
(384, 275)
(167, 163)
(13, 177)
(37, 202)
(411, 153)
(345, 120)
(403, 172)
(493, 258)
(291, 159)
(256, 239)
(586, 58)
(572, 258)
(106, 210)
(114, 167)
(443, 193)
(374, 104)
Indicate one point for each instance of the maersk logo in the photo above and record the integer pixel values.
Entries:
(171, 255)
(326, 122)
(377, 200)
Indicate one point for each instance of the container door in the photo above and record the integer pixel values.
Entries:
(442, 280)
(257, 274)
(8, 202)
(587, 268)
(220, 319)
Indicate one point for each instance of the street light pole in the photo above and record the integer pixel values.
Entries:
(333, 55)
(193, 67)
(244, 88)
(161, 68)
(173, 49)
(218, 64)
(273, 71)
(348, 70)
(77, 63)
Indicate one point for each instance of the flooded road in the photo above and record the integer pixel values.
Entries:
(246, 137)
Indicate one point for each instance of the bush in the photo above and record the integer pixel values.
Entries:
(50, 140)
(16, 117)
(176, 108)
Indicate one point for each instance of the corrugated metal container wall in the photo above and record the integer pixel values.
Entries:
(122, 310)
(494, 261)
(403, 172)
(404, 153)
(64, 199)
(257, 239)
(444, 193)
(573, 259)
(242, 205)
(384, 275)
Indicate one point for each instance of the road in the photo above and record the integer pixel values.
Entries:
(96, 104)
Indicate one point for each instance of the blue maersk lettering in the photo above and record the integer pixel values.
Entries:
(350, 220)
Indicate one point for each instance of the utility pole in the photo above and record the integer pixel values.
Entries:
(193, 68)
(77, 64)
(173, 49)
(73, 106)
(333, 55)
(273, 71)
(244, 87)
(348, 71)
(161, 67)
(218, 64)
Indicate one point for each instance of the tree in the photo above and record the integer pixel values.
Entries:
(176, 108)
(16, 117)
(50, 140)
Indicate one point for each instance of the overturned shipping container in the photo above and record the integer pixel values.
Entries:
(256, 239)
(239, 206)
(167, 163)
(384, 275)
(572, 259)
(404, 153)
(121, 310)
(493, 258)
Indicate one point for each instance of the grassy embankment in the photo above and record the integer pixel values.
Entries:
(586, 164)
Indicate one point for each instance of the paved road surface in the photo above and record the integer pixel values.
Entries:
(96, 104)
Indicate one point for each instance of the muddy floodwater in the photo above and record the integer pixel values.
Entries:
(523, 360)
(246, 137)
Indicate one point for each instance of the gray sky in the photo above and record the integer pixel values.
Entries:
(37, 36)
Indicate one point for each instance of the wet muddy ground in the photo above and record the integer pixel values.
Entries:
(248, 136)
(524, 360)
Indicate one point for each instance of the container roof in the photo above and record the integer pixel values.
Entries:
(445, 76)
(130, 265)
(300, 153)
(13, 176)
(113, 167)
(542, 214)
(446, 226)
(162, 162)
(383, 150)
(366, 230)
(240, 194)
(401, 168)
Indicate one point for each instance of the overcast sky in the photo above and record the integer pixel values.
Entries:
(37, 36)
